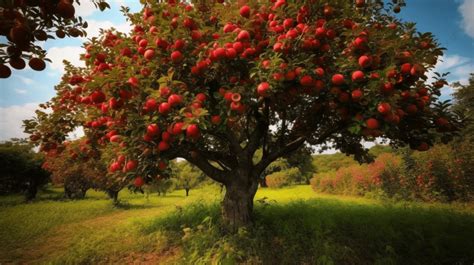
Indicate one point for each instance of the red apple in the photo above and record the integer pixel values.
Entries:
(384, 108)
(356, 94)
(263, 88)
(358, 76)
(138, 182)
(372, 123)
(337, 79)
(131, 165)
(365, 61)
(149, 54)
(176, 56)
(152, 129)
(245, 11)
(192, 131)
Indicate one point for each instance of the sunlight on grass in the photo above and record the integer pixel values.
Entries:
(290, 221)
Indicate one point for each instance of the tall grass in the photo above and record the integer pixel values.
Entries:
(293, 225)
(323, 231)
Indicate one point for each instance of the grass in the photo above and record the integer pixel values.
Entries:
(294, 226)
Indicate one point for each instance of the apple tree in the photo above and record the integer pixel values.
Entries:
(79, 167)
(214, 81)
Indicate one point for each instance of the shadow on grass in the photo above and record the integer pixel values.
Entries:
(324, 231)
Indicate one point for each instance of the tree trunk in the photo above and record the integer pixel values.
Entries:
(237, 206)
(113, 194)
(187, 192)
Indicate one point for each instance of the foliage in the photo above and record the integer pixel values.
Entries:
(440, 174)
(187, 176)
(20, 169)
(25, 23)
(284, 178)
(79, 167)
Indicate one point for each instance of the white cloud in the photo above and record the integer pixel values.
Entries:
(26, 80)
(95, 26)
(21, 91)
(76, 134)
(467, 12)
(85, 9)
(69, 53)
(458, 66)
(11, 120)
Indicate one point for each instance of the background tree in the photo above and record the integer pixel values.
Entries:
(187, 176)
(78, 168)
(214, 82)
(20, 169)
(25, 22)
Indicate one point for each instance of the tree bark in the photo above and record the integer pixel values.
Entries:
(187, 192)
(237, 206)
(113, 194)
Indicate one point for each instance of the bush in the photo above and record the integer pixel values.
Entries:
(283, 178)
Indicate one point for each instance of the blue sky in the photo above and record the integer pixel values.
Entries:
(451, 21)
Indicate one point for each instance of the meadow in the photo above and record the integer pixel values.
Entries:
(294, 225)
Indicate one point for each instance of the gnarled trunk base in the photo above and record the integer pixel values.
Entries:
(237, 206)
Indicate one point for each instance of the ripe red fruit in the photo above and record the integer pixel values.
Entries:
(98, 97)
(337, 79)
(37, 64)
(133, 81)
(384, 108)
(219, 53)
(163, 146)
(152, 129)
(306, 80)
(245, 11)
(216, 119)
(192, 131)
(176, 56)
(263, 88)
(149, 54)
(365, 61)
(372, 123)
(360, 3)
(138, 182)
(115, 139)
(201, 97)
(5, 71)
(356, 94)
(151, 104)
(164, 108)
(417, 70)
(175, 99)
(243, 35)
(115, 166)
(177, 128)
(131, 165)
(357, 76)
(405, 68)
(319, 72)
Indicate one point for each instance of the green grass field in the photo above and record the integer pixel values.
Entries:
(294, 226)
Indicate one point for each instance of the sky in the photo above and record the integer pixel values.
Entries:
(451, 21)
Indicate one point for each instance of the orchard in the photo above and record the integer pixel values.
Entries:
(214, 81)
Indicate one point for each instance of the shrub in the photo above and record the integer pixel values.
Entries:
(283, 178)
